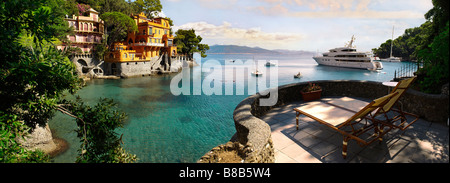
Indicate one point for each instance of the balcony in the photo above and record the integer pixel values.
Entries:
(147, 44)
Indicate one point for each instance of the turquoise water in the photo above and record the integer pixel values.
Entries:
(163, 128)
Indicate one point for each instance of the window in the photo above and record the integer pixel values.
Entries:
(125, 55)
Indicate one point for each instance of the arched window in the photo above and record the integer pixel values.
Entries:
(125, 55)
(85, 27)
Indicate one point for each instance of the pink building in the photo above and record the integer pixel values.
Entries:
(89, 31)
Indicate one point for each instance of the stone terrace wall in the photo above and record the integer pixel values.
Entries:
(431, 107)
(252, 130)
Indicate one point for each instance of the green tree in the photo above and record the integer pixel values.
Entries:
(96, 130)
(188, 43)
(118, 25)
(406, 45)
(436, 63)
(33, 77)
(147, 6)
(439, 15)
(434, 52)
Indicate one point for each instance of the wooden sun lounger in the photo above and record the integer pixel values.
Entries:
(345, 119)
(399, 121)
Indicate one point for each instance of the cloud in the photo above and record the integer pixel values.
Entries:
(227, 34)
(330, 9)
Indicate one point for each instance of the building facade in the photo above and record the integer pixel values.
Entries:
(89, 31)
(152, 39)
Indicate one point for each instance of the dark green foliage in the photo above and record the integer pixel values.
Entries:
(118, 25)
(31, 86)
(435, 52)
(96, 129)
(147, 6)
(10, 151)
(428, 44)
(436, 63)
(406, 46)
(188, 43)
(33, 77)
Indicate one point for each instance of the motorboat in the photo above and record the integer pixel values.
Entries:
(268, 64)
(298, 75)
(257, 73)
(348, 57)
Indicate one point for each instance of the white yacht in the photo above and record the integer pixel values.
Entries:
(348, 57)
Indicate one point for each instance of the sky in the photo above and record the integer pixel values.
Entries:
(309, 25)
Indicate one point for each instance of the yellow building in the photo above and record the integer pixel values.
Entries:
(152, 39)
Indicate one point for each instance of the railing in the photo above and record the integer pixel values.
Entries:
(148, 44)
(407, 70)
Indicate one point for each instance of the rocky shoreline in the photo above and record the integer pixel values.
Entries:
(41, 138)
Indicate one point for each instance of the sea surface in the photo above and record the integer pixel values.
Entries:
(165, 128)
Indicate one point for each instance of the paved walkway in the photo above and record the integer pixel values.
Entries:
(422, 142)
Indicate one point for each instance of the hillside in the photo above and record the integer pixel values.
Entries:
(234, 49)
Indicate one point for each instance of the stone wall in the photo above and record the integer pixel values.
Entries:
(431, 107)
(86, 65)
(252, 131)
(140, 68)
(129, 69)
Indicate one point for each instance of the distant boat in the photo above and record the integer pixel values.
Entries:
(298, 75)
(348, 57)
(392, 58)
(257, 73)
(376, 58)
(268, 64)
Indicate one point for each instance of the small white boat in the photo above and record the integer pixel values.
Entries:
(376, 58)
(391, 59)
(268, 64)
(298, 75)
(257, 73)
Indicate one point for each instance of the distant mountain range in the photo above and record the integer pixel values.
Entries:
(235, 49)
